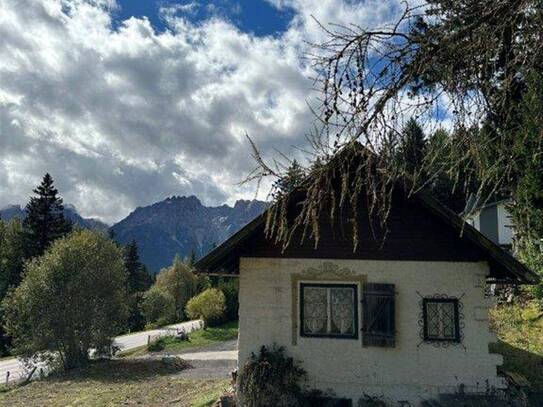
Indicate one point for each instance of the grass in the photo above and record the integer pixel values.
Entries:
(197, 339)
(117, 382)
(528, 364)
(520, 330)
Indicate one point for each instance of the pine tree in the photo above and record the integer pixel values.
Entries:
(412, 148)
(293, 178)
(191, 260)
(133, 266)
(139, 278)
(44, 220)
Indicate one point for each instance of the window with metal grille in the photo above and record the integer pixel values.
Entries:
(329, 310)
(441, 319)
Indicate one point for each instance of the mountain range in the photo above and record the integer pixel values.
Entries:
(181, 226)
(15, 211)
(175, 226)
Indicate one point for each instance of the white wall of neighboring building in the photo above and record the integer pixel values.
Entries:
(413, 370)
(505, 225)
(498, 225)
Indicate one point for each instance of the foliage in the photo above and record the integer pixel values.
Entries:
(158, 307)
(230, 289)
(520, 325)
(139, 278)
(527, 207)
(411, 148)
(181, 283)
(70, 300)
(196, 339)
(44, 220)
(12, 251)
(293, 178)
(530, 253)
(156, 345)
(136, 319)
(208, 305)
(469, 62)
(271, 378)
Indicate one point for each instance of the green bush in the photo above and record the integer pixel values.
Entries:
(156, 345)
(230, 289)
(158, 307)
(71, 299)
(181, 283)
(270, 378)
(209, 306)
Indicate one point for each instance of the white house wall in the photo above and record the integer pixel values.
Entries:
(411, 371)
(505, 225)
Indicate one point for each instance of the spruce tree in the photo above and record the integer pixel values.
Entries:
(293, 178)
(138, 280)
(44, 220)
(132, 265)
(412, 148)
(191, 260)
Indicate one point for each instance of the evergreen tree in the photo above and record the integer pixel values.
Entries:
(293, 178)
(411, 149)
(192, 258)
(527, 206)
(133, 266)
(44, 220)
(448, 188)
(138, 278)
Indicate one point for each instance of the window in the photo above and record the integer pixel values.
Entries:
(441, 319)
(329, 310)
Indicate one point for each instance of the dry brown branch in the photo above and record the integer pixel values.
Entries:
(465, 61)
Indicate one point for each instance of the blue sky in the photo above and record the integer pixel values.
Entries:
(254, 16)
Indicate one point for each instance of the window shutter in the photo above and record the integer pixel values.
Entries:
(378, 307)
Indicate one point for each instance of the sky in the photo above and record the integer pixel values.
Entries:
(128, 102)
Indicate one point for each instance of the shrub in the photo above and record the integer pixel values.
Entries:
(136, 319)
(181, 283)
(270, 378)
(70, 300)
(208, 305)
(156, 345)
(230, 289)
(531, 253)
(158, 307)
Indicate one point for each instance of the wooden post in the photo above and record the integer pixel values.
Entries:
(148, 339)
(7, 377)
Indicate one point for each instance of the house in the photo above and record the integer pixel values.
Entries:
(494, 221)
(404, 318)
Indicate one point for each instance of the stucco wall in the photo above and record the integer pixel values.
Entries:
(411, 371)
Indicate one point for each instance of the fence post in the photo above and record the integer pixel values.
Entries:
(7, 377)
(148, 339)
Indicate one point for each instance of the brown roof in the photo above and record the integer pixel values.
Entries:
(224, 259)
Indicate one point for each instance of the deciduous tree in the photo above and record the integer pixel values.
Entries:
(71, 299)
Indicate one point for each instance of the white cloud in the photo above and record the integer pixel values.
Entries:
(126, 116)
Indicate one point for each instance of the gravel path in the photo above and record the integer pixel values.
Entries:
(212, 362)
